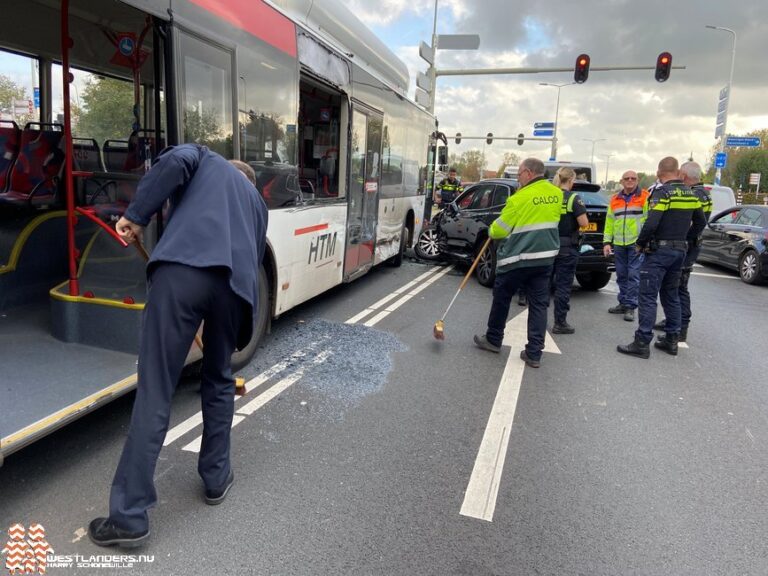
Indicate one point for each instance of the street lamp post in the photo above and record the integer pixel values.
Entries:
(553, 153)
(594, 141)
(724, 136)
(607, 163)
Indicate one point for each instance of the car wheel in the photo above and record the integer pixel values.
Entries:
(593, 281)
(260, 323)
(486, 267)
(427, 246)
(749, 267)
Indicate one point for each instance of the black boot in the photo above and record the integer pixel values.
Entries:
(660, 325)
(636, 348)
(668, 344)
(683, 334)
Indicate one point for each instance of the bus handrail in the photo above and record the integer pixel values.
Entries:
(88, 213)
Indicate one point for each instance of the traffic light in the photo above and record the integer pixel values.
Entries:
(520, 139)
(458, 137)
(581, 70)
(663, 66)
(489, 139)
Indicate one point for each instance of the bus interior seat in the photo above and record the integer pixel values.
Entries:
(115, 155)
(10, 137)
(86, 157)
(35, 174)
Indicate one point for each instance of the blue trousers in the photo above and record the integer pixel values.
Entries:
(536, 283)
(685, 295)
(660, 276)
(180, 297)
(565, 270)
(627, 261)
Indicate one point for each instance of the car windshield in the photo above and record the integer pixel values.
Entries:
(593, 199)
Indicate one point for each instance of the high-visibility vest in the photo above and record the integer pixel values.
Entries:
(528, 224)
(625, 218)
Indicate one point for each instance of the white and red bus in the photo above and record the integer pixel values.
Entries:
(300, 90)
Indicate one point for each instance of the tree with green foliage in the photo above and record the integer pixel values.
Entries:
(107, 109)
(741, 163)
(469, 165)
(10, 91)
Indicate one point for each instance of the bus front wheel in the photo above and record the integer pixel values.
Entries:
(260, 323)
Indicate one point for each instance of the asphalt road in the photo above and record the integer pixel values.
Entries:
(355, 453)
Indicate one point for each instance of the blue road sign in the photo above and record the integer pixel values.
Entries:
(745, 141)
(720, 159)
(36, 96)
(538, 125)
(549, 132)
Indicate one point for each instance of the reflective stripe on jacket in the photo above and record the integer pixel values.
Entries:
(528, 226)
(625, 218)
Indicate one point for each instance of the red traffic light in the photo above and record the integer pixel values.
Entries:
(581, 70)
(663, 66)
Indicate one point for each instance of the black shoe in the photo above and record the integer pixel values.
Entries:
(215, 497)
(522, 300)
(683, 334)
(668, 344)
(482, 342)
(563, 328)
(618, 309)
(629, 315)
(636, 348)
(104, 532)
(660, 325)
(528, 360)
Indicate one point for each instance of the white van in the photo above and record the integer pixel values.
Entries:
(722, 198)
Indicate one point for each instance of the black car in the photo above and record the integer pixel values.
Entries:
(738, 239)
(458, 232)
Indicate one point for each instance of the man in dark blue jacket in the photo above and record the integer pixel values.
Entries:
(205, 268)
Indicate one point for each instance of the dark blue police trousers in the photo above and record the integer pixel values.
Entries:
(180, 297)
(660, 276)
(565, 270)
(628, 262)
(535, 280)
(685, 276)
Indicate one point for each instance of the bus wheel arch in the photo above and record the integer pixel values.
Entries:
(406, 235)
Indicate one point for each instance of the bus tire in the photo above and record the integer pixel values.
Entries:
(241, 358)
(397, 260)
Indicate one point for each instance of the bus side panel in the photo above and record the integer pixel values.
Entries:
(309, 250)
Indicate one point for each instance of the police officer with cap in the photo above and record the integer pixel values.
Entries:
(675, 215)
(691, 174)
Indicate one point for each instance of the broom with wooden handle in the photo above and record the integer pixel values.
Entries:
(239, 382)
(439, 329)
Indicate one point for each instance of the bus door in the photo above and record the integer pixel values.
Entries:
(364, 176)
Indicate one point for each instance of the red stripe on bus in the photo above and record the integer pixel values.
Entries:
(308, 229)
(258, 18)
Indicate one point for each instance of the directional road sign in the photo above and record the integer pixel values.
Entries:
(538, 125)
(720, 159)
(549, 132)
(745, 141)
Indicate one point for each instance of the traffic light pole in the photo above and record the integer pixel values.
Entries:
(536, 138)
(483, 71)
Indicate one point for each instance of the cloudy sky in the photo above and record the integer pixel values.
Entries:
(642, 120)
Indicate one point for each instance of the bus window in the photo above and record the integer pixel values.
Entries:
(207, 95)
(19, 77)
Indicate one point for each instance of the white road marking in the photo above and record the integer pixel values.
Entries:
(483, 488)
(373, 307)
(262, 399)
(714, 275)
(194, 446)
(196, 419)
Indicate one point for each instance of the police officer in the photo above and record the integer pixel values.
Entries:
(573, 215)
(675, 214)
(204, 268)
(449, 188)
(527, 228)
(691, 173)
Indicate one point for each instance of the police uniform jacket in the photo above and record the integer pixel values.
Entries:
(675, 214)
(216, 218)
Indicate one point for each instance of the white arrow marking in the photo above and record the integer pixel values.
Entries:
(483, 488)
